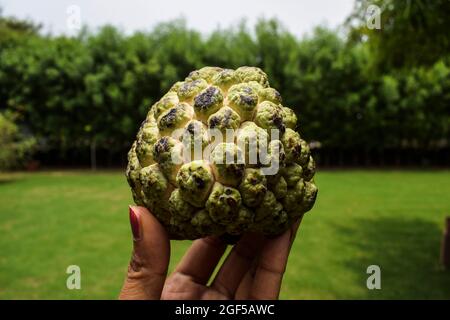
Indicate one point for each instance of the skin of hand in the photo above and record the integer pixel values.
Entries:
(253, 269)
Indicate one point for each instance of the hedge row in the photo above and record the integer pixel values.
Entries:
(95, 89)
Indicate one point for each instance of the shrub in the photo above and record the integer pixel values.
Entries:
(15, 147)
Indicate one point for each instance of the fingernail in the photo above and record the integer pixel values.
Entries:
(134, 222)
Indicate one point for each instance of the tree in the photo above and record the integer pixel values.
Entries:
(88, 94)
(412, 32)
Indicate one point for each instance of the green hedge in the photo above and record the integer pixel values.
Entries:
(98, 86)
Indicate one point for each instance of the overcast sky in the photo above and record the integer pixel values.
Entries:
(299, 16)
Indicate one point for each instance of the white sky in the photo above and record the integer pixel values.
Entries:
(299, 16)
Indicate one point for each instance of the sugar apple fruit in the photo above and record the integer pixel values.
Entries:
(219, 155)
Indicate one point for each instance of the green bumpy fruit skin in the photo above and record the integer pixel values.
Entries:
(202, 196)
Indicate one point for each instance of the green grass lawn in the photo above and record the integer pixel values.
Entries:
(393, 219)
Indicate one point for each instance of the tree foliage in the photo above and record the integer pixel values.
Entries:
(411, 32)
(15, 146)
(71, 92)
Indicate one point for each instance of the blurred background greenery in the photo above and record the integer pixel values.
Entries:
(368, 96)
(365, 97)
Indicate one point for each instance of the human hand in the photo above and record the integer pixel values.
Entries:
(253, 270)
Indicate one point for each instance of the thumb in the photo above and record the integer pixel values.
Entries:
(150, 258)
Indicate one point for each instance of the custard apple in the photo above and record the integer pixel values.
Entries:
(220, 155)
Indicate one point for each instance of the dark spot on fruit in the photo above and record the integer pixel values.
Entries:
(192, 128)
(228, 191)
(278, 122)
(187, 87)
(199, 182)
(297, 149)
(169, 118)
(206, 99)
(214, 122)
(162, 145)
(248, 100)
(231, 202)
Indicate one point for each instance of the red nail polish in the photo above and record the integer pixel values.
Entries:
(134, 222)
